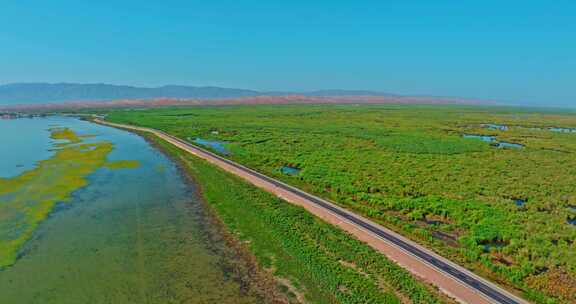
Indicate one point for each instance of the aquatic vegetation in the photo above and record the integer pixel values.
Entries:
(427, 144)
(129, 236)
(401, 165)
(60, 133)
(122, 164)
(27, 199)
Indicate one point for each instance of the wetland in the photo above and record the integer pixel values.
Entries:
(488, 187)
(91, 214)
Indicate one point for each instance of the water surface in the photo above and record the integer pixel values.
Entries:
(509, 145)
(519, 202)
(135, 235)
(24, 141)
(493, 139)
(484, 138)
(562, 130)
(290, 170)
(496, 127)
(218, 146)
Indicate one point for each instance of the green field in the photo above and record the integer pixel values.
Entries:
(312, 261)
(508, 213)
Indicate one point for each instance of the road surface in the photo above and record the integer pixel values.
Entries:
(454, 280)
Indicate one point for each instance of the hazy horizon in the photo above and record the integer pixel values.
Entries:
(513, 52)
(486, 101)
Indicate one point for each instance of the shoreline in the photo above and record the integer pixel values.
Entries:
(236, 258)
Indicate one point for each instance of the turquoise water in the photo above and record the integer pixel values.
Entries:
(496, 127)
(493, 139)
(218, 146)
(485, 138)
(508, 145)
(562, 130)
(289, 170)
(24, 141)
(130, 236)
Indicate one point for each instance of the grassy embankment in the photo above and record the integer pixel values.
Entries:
(27, 199)
(311, 260)
(409, 168)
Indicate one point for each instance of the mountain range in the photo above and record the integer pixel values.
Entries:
(34, 93)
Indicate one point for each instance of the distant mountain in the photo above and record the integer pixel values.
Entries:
(34, 93)
(335, 93)
(30, 93)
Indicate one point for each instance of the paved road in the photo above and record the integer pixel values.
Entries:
(415, 257)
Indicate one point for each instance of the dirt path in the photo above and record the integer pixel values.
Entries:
(453, 280)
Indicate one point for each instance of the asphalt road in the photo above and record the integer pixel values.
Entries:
(488, 290)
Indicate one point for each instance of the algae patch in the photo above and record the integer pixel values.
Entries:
(122, 164)
(60, 133)
(27, 199)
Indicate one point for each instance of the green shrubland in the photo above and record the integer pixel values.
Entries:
(312, 260)
(409, 168)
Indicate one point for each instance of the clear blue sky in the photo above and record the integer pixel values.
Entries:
(519, 51)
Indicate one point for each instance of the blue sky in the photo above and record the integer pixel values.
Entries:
(517, 51)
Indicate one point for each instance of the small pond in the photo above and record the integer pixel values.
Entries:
(218, 146)
(492, 139)
(562, 130)
(509, 145)
(485, 138)
(496, 127)
(290, 170)
(519, 202)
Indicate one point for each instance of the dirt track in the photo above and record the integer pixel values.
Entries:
(453, 280)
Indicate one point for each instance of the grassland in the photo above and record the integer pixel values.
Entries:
(312, 261)
(27, 199)
(409, 168)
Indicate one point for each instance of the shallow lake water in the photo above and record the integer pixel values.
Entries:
(24, 141)
(135, 235)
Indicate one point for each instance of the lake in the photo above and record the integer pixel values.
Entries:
(134, 234)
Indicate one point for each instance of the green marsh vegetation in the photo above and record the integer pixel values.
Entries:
(27, 199)
(312, 261)
(409, 168)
